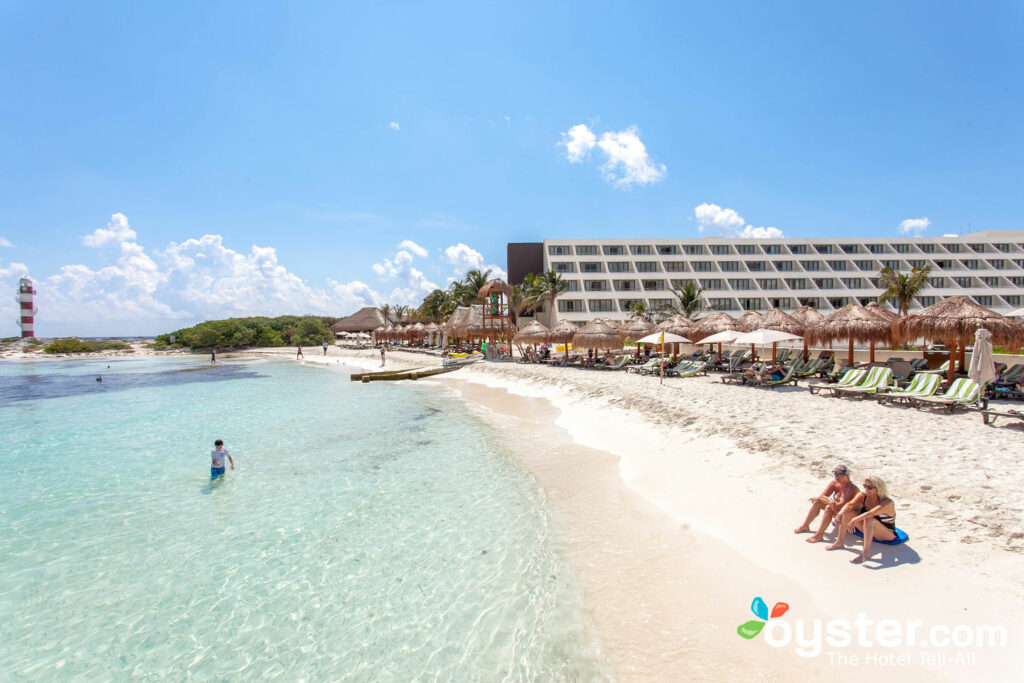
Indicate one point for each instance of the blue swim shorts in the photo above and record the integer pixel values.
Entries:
(216, 472)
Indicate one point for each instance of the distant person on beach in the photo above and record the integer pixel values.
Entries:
(298, 354)
(217, 456)
(837, 495)
(325, 348)
(872, 512)
(213, 357)
(382, 352)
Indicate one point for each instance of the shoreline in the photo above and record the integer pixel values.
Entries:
(739, 497)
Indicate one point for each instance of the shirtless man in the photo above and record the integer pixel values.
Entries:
(838, 493)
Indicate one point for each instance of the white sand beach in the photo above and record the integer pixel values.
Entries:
(677, 504)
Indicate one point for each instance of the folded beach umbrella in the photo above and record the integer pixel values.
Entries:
(983, 368)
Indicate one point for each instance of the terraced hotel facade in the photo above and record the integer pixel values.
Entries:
(607, 276)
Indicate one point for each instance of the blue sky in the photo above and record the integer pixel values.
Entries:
(245, 160)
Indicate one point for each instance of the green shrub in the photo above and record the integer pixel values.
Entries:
(69, 345)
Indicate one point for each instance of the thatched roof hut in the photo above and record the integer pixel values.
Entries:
(472, 322)
(854, 323)
(417, 331)
(677, 324)
(749, 320)
(598, 334)
(494, 286)
(713, 324)
(454, 320)
(779, 320)
(636, 328)
(882, 312)
(808, 315)
(534, 333)
(366, 319)
(955, 320)
(562, 332)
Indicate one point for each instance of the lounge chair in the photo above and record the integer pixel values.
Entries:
(811, 367)
(989, 416)
(942, 369)
(646, 367)
(852, 378)
(923, 385)
(744, 376)
(738, 359)
(789, 378)
(919, 364)
(619, 364)
(1015, 374)
(783, 355)
(964, 392)
(688, 368)
(878, 378)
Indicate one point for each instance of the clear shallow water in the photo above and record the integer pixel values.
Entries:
(370, 532)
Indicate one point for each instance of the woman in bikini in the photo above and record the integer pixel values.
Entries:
(871, 511)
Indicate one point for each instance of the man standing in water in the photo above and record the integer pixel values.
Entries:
(382, 355)
(217, 456)
(298, 354)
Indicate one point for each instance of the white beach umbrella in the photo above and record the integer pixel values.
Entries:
(656, 338)
(765, 336)
(724, 337)
(983, 368)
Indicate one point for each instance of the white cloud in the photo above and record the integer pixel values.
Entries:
(117, 230)
(578, 142)
(914, 226)
(626, 160)
(394, 125)
(416, 249)
(464, 258)
(729, 223)
(5, 243)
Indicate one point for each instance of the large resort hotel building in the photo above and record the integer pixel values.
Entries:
(606, 277)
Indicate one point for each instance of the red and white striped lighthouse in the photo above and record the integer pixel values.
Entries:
(28, 309)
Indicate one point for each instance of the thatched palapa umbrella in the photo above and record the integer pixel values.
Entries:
(534, 333)
(852, 322)
(598, 334)
(562, 333)
(807, 315)
(748, 321)
(713, 324)
(954, 321)
(636, 328)
(778, 320)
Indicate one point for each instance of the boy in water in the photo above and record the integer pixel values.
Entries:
(217, 456)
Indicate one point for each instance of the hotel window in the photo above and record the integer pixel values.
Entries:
(601, 305)
(773, 249)
(837, 265)
(768, 284)
(618, 267)
(990, 281)
(1019, 262)
(1012, 299)
(1005, 248)
(952, 248)
(659, 303)
(852, 282)
(979, 248)
(798, 283)
(876, 248)
(756, 266)
(626, 304)
(595, 286)
(927, 248)
(895, 265)
(963, 281)
(562, 268)
(784, 266)
(865, 300)
(926, 300)
(558, 251)
(983, 300)
(917, 264)
(937, 282)
(811, 265)
(997, 263)
(640, 250)
(824, 283)
(875, 282)
(653, 285)
(586, 250)
(590, 268)
(811, 301)
(970, 264)
(750, 304)
(865, 265)
(702, 267)
(944, 264)
(570, 306)
(679, 284)
(722, 304)
(798, 248)
(730, 266)
(624, 285)
(675, 266)
(694, 250)
(740, 284)
(647, 267)
(720, 249)
(838, 301)
(848, 248)
(573, 285)
(901, 248)
(668, 249)
(746, 249)
(717, 284)
(823, 248)
(614, 250)
(1017, 281)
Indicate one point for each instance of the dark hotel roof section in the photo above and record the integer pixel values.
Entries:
(523, 258)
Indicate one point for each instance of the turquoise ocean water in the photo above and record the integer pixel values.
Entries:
(369, 532)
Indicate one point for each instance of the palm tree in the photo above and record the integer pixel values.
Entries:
(400, 312)
(550, 286)
(435, 305)
(688, 299)
(385, 310)
(640, 309)
(902, 288)
(471, 284)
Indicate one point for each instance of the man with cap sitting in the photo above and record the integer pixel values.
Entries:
(838, 493)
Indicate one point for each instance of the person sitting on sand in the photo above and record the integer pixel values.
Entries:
(872, 512)
(839, 492)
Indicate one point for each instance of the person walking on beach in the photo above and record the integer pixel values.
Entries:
(298, 354)
(836, 495)
(325, 348)
(213, 357)
(382, 348)
(217, 456)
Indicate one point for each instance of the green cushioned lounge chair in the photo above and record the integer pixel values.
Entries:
(852, 378)
(877, 379)
(964, 392)
(922, 386)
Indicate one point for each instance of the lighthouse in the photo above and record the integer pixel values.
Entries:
(28, 311)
